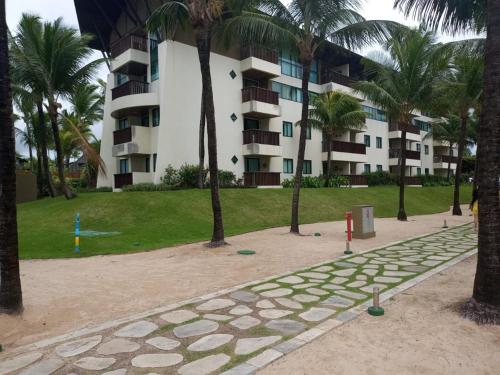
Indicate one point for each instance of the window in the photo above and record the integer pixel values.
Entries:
(287, 129)
(148, 162)
(156, 117)
(368, 168)
(308, 132)
(252, 165)
(426, 171)
(379, 168)
(375, 114)
(249, 124)
(153, 55)
(419, 147)
(123, 123)
(121, 79)
(291, 93)
(426, 149)
(367, 140)
(287, 165)
(145, 120)
(123, 166)
(307, 167)
(419, 171)
(424, 126)
(379, 142)
(154, 162)
(290, 66)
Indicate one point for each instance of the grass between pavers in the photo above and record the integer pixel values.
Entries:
(152, 220)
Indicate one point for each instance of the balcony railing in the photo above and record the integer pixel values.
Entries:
(332, 76)
(357, 180)
(349, 147)
(409, 180)
(259, 94)
(260, 52)
(261, 136)
(409, 128)
(123, 179)
(445, 159)
(410, 154)
(130, 88)
(122, 136)
(262, 179)
(129, 42)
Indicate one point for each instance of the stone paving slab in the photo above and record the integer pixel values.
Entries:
(231, 331)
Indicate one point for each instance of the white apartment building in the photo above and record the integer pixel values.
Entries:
(152, 108)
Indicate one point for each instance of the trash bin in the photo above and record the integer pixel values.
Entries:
(362, 216)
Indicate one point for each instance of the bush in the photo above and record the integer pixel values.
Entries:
(171, 178)
(104, 189)
(227, 179)
(338, 181)
(188, 175)
(381, 178)
(145, 187)
(432, 180)
(310, 182)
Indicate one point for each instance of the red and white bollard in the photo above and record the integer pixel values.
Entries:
(348, 217)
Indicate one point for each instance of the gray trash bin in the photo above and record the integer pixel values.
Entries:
(362, 216)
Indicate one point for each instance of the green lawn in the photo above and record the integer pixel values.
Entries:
(157, 219)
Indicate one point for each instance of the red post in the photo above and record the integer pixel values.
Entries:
(348, 216)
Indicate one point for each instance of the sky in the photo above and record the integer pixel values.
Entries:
(52, 9)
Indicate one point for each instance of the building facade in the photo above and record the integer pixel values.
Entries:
(152, 109)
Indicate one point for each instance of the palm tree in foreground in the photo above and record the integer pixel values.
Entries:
(335, 113)
(483, 15)
(11, 301)
(403, 84)
(301, 28)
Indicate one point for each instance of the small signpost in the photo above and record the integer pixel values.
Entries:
(77, 233)
(348, 217)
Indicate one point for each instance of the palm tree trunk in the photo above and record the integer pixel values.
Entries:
(329, 158)
(11, 300)
(30, 146)
(402, 174)
(68, 193)
(474, 181)
(39, 173)
(485, 303)
(203, 42)
(450, 154)
(43, 149)
(306, 72)
(458, 173)
(201, 144)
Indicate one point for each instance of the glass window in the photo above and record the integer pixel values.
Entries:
(123, 166)
(154, 162)
(121, 79)
(156, 117)
(252, 165)
(308, 132)
(287, 165)
(287, 129)
(148, 162)
(379, 142)
(123, 123)
(424, 126)
(290, 66)
(375, 114)
(419, 147)
(367, 141)
(419, 171)
(379, 168)
(249, 124)
(307, 167)
(368, 168)
(426, 171)
(145, 120)
(153, 53)
(426, 149)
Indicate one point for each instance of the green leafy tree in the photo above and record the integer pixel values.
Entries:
(404, 82)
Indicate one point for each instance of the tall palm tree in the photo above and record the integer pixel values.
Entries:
(335, 113)
(301, 28)
(403, 83)
(11, 300)
(26, 106)
(456, 15)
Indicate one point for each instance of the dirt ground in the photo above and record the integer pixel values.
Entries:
(419, 334)
(64, 295)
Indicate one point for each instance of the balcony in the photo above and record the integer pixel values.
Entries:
(260, 103)
(130, 88)
(443, 161)
(130, 55)
(356, 180)
(134, 140)
(260, 62)
(125, 179)
(412, 158)
(412, 132)
(132, 96)
(346, 151)
(335, 77)
(261, 143)
(264, 179)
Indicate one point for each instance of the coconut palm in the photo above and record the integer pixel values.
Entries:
(456, 15)
(335, 113)
(11, 301)
(26, 107)
(403, 83)
(301, 28)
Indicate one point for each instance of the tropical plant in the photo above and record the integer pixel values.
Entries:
(11, 301)
(403, 83)
(26, 107)
(457, 15)
(335, 114)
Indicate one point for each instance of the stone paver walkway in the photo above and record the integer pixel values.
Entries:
(239, 331)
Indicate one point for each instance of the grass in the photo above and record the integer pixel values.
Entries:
(154, 220)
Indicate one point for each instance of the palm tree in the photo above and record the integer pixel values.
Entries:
(335, 113)
(403, 83)
(26, 106)
(302, 28)
(202, 17)
(455, 15)
(11, 300)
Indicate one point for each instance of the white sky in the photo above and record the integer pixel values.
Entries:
(52, 9)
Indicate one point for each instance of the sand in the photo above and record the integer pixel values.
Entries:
(66, 294)
(419, 334)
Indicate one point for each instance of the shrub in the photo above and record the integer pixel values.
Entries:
(338, 181)
(171, 177)
(432, 180)
(227, 179)
(145, 187)
(188, 175)
(310, 182)
(381, 178)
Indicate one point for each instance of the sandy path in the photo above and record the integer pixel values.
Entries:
(419, 334)
(63, 295)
